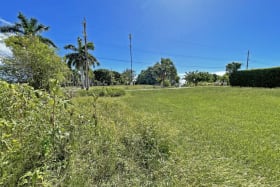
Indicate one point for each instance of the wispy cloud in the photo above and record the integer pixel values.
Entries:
(4, 50)
(5, 22)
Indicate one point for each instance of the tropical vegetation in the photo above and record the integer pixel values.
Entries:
(80, 59)
(114, 136)
(32, 62)
(27, 27)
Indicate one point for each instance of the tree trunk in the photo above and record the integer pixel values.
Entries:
(82, 78)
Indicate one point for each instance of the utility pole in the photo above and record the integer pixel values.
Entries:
(248, 58)
(86, 55)
(130, 46)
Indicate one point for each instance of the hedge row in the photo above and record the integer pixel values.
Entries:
(102, 92)
(268, 78)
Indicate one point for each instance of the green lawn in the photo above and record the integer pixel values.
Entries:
(223, 136)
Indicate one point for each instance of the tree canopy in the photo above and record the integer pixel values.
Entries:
(233, 67)
(32, 62)
(163, 73)
(194, 77)
(77, 58)
(27, 27)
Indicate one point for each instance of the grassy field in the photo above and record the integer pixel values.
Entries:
(200, 136)
(223, 136)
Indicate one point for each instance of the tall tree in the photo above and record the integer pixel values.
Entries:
(77, 58)
(166, 71)
(147, 76)
(28, 27)
(163, 72)
(233, 67)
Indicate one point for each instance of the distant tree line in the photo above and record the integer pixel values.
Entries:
(196, 77)
(35, 61)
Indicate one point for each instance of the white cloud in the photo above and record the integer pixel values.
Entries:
(4, 50)
(221, 73)
(5, 22)
(182, 80)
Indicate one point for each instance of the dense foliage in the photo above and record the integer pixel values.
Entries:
(81, 60)
(47, 140)
(233, 67)
(200, 78)
(256, 78)
(147, 76)
(32, 62)
(163, 73)
(36, 129)
(107, 77)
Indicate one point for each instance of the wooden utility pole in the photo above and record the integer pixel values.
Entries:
(86, 55)
(248, 58)
(131, 72)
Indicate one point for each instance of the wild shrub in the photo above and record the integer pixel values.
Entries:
(47, 140)
(122, 150)
(35, 134)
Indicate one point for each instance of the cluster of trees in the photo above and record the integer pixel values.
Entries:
(163, 73)
(194, 77)
(109, 77)
(35, 60)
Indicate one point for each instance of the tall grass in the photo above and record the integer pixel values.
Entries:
(228, 136)
(181, 137)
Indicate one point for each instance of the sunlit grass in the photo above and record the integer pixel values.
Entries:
(227, 136)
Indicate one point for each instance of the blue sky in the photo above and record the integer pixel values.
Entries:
(202, 35)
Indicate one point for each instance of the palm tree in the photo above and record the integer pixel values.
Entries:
(27, 27)
(77, 59)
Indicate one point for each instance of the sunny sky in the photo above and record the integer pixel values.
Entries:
(202, 35)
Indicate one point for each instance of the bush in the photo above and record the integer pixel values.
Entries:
(46, 140)
(268, 78)
(35, 132)
(166, 83)
(102, 92)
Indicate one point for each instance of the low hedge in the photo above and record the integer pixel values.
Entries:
(268, 78)
(102, 92)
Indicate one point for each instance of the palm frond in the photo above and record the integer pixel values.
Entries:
(41, 28)
(23, 21)
(90, 46)
(12, 29)
(71, 47)
(47, 41)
